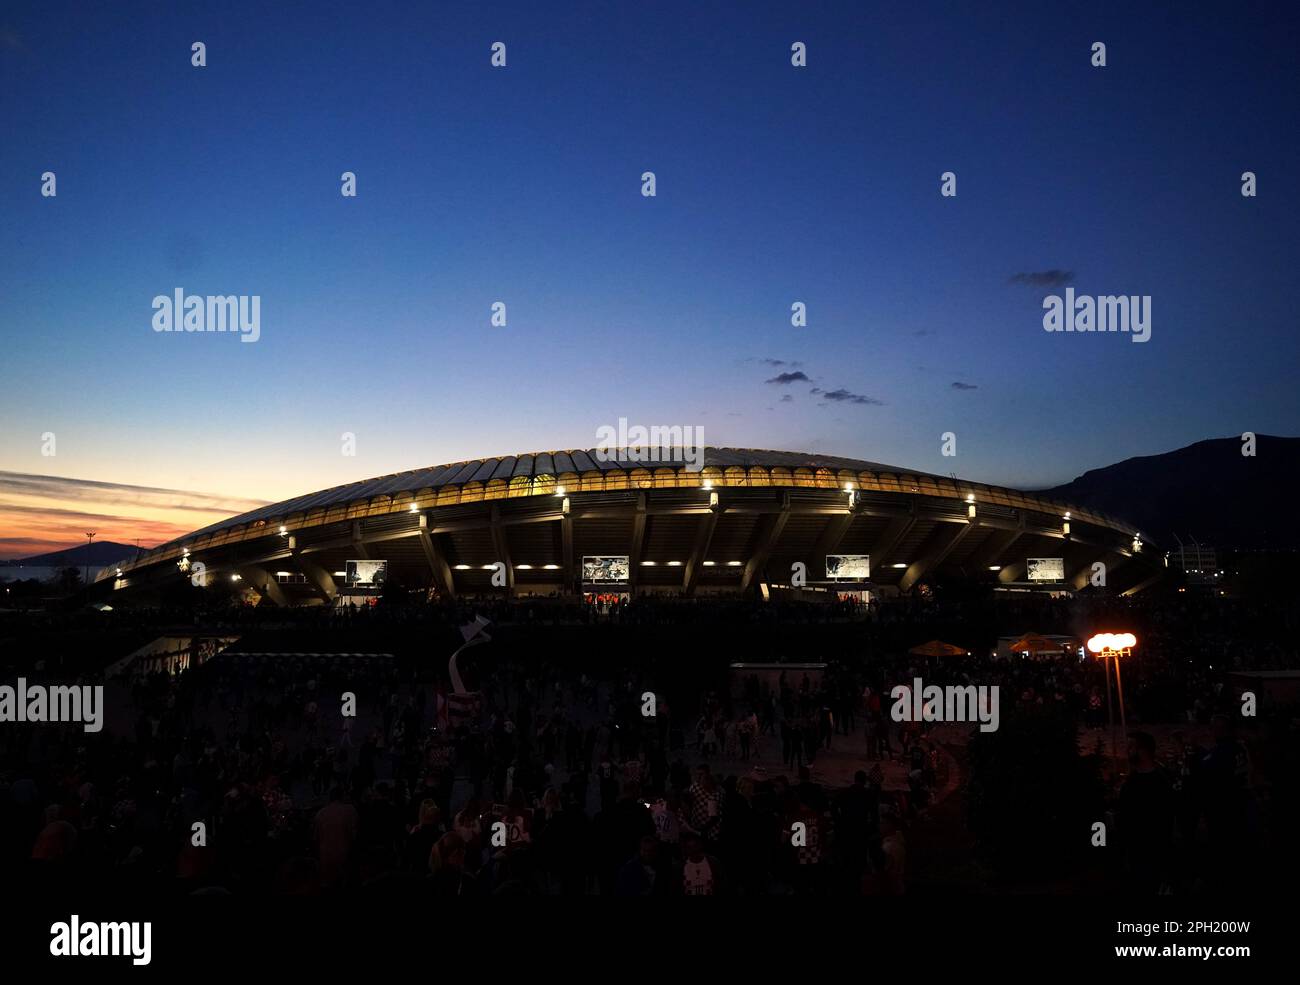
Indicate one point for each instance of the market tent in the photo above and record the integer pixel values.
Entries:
(1034, 643)
(936, 648)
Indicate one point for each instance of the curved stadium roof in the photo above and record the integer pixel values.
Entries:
(534, 468)
(469, 512)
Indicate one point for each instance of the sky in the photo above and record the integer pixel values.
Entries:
(522, 184)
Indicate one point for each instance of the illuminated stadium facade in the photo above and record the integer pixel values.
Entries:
(740, 525)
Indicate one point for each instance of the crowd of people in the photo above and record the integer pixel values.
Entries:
(556, 783)
(254, 774)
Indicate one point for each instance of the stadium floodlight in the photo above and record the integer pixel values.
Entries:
(462, 567)
(647, 564)
(733, 564)
(674, 564)
(551, 567)
(710, 564)
(995, 567)
(900, 564)
(523, 567)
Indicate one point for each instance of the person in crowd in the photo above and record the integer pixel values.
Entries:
(640, 875)
(423, 836)
(894, 852)
(1146, 817)
(448, 876)
(701, 872)
(335, 830)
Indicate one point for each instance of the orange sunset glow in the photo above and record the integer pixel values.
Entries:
(41, 513)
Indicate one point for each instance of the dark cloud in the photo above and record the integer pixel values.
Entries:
(784, 379)
(53, 486)
(778, 363)
(44, 512)
(1043, 278)
(787, 399)
(842, 396)
(965, 386)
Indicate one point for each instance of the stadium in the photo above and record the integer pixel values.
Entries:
(608, 525)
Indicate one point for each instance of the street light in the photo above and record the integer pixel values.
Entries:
(1108, 646)
(86, 577)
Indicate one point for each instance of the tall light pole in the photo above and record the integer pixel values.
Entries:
(1110, 708)
(1113, 646)
(85, 579)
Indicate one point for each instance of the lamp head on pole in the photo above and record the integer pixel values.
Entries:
(1112, 644)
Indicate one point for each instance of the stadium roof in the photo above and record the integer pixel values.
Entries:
(554, 464)
(764, 509)
(534, 465)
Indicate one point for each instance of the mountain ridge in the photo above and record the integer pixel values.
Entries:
(1208, 491)
(101, 553)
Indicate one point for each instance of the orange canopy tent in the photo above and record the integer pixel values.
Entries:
(1034, 643)
(935, 648)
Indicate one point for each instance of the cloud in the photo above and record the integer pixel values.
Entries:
(59, 487)
(787, 399)
(777, 363)
(965, 386)
(1043, 278)
(39, 513)
(842, 396)
(784, 379)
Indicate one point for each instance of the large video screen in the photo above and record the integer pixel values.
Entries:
(848, 567)
(605, 569)
(1045, 568)
(367, 573)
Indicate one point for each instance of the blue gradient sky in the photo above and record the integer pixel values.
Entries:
(523, 185)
